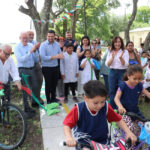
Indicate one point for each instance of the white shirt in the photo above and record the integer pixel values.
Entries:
(147, 76)
(143, 61)
(7, 68)
(86, 73)
(69, 66)
(116, 64)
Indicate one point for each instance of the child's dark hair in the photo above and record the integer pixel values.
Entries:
(131, 70)
(69, 45)
(87, 50)
(94, 88)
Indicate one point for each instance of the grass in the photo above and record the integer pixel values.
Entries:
(33, 139)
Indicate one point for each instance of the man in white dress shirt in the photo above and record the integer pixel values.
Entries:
(7, 66)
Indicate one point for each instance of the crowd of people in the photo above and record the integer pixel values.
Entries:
(67, 65)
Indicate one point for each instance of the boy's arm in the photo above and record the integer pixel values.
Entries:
(69, 122)
(125, 128)
(121, 109)
(70, 141)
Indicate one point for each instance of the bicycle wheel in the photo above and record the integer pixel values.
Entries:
(13, 127)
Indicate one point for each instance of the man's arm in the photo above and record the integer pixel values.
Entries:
(14, 73)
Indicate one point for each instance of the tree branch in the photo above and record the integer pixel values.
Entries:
(24, 10)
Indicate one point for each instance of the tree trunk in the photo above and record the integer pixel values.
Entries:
(40, 28)
(127, 37)
(85, 24)
(147, 42)
(64, 27)
(74, 19)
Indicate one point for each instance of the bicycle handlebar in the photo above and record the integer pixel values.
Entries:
(134, 116)
(79, 145)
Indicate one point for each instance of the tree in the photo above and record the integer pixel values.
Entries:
(47, 11)
(147, 42)
(143, 14)
(117, 24)
(127, 37)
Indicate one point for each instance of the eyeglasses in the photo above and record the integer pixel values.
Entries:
(6, 54)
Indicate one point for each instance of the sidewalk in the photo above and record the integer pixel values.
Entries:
(52, 127)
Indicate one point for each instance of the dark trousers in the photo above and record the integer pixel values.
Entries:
(32, 81)
(39, 77)
(106, 82)
(72, 86)
(97, 74)
(51, 77)
(115, 77)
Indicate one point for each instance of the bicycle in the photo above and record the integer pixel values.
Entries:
(13, 126)
(91, 145)
(136, 124)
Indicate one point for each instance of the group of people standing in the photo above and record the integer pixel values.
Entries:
(67, 65)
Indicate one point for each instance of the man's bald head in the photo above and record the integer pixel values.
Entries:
(24, 38)
(5, 52)
(30, 35)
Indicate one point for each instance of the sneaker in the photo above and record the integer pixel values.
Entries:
(66, 100)
(34, 105)
(30, 110)
(75, 99)
(56, 100)
(29, 115)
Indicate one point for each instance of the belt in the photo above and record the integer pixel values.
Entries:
(26, 68)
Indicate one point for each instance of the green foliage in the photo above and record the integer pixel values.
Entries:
(97, 19)
(117, 24)
(142, 18)
(143, 14)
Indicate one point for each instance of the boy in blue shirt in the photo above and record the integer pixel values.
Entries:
(90, 117)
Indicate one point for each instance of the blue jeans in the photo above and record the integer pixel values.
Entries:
(115, 77)
(106, 82)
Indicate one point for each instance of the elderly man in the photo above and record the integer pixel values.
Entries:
(27, 56)
(7, 66)
(37, 70)
(50, 52)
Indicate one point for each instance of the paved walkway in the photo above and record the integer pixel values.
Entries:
(52, 127)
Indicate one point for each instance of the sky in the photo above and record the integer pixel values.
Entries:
(13, 22)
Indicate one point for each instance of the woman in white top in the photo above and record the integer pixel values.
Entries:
(118, 61)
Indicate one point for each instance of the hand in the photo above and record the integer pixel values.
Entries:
(121, 54)
(75, 43)
(37, 45)
(18, 84)
(93, 66)
(71, 142)
(113, 54)
(131, 136)
(60, 56)
(63, 77)
(77, 74)
(121, 110)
